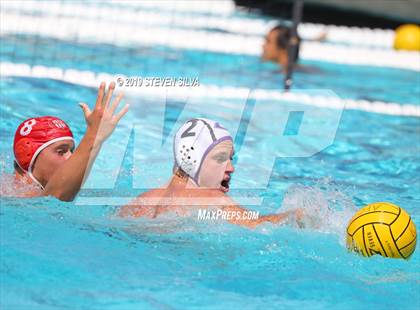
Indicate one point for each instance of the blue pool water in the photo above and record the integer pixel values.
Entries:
(62, 255)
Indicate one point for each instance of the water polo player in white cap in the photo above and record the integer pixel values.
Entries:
(203, 151)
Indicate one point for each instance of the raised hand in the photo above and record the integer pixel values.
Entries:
(101, 122)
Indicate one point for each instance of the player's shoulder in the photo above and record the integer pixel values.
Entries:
(156, 192)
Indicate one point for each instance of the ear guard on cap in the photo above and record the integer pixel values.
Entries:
(23, 150)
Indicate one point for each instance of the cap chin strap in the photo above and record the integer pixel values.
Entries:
(30, 175)
(29, 172)
(184, 174)
(194, 181)
(35, 180)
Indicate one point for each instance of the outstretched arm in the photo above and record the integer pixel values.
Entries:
(101, 122)
(241, 219)
(278, 218)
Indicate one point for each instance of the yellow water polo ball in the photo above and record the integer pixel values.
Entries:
(407, 37)
(382, 228)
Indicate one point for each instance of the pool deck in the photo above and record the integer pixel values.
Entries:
(395, 9)
(386, 14)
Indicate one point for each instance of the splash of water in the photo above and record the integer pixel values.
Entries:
(325, 206)
(9, 185)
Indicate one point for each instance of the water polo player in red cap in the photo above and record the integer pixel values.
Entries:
(43, 148)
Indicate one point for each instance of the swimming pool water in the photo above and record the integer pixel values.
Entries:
(355, 82)
(63, 255)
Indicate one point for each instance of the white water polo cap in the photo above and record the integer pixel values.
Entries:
(194, 140)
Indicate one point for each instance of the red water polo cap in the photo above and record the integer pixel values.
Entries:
(34, 135)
